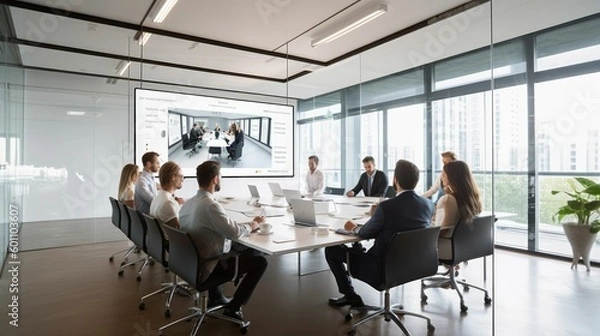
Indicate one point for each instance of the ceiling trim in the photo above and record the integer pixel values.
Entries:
(145, 81)
(139, 60)
(167, 33)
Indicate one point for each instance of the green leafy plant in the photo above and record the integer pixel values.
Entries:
(584, 204)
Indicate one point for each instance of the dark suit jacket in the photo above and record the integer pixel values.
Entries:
(407, 211)
(194, 134)
(238, 141)
(380, 184)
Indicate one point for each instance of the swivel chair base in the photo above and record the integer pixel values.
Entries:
(170, 288)
(201, 311)
(389, 312)
(448, 280)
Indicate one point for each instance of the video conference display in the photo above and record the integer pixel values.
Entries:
(261, 146)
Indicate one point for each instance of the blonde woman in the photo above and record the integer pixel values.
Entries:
(129, 175)
(461, 201)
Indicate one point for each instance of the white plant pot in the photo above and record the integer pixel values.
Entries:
(581, 241)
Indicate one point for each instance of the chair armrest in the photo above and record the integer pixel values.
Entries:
(226, 256)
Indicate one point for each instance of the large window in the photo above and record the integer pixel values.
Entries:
(568, 145)
(406, 138)
(523, 135)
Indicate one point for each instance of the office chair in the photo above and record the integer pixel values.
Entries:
(333, 191)
(185, 261)
(125, 227)
(138, 231)
(236, 153)
(390, 192)
(468, 241)
(116, 221)
(186, 144)
(158, 248)
(411, 255)
(214, 151)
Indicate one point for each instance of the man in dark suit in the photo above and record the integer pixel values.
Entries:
(238, 140)
(372, 182)
(195, 134)
(406, 211)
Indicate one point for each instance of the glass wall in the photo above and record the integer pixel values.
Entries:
(542, 131)
(14, 177)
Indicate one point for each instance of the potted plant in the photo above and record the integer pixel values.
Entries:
(583, 204)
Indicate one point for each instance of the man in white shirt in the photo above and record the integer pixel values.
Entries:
(212, 231)
(314, 178)
(165, 206)
(145, 187)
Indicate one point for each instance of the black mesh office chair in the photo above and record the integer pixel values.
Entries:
(214, 151)
(468, 241)
(189, 145)
(138, 237)
(236, 154)
(185, 261)
(411, 255)
(390, 192)
(158, 248)
(333, 191)
(116, 221)
(126, 229)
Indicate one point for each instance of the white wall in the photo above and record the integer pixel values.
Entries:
(92, 148)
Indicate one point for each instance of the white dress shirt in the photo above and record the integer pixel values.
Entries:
(210, 228)
(145, 191)
(315, 182)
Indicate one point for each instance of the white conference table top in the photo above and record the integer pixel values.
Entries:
(287, 237)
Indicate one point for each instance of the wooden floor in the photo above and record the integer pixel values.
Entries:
(76, 291)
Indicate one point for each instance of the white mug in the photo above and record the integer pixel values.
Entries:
(265, 227)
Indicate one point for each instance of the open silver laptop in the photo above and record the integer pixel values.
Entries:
(304, 213)
(253, 192)
(276, 189)
(291, 194)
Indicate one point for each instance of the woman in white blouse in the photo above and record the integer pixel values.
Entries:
(129, 175)
(461, 201)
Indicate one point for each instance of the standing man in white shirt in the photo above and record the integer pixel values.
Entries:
(145, 187)
(315, 177)
(165, 206)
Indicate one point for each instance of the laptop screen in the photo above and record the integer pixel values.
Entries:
(276, 189)
(253, 191)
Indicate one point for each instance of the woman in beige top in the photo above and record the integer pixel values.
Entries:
(129, 175)
(460, 202)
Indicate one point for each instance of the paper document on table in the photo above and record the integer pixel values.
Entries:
(283, 239)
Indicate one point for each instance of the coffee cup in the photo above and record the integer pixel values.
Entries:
(265, 227)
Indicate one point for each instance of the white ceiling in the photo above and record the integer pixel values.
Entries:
(210, 52)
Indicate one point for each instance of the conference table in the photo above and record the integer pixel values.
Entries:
(288, 237)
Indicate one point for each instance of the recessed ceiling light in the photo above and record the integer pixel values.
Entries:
(76, 113)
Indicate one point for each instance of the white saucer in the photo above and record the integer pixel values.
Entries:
(260, 232)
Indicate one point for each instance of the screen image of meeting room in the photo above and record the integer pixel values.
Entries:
(247, 138)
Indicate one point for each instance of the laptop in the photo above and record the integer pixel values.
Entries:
(253, 192)
(291, 194)
(276, 189)
(304, 213)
